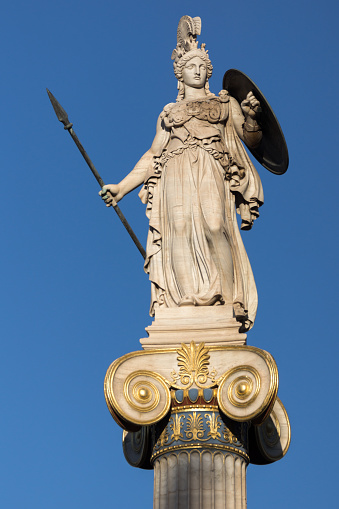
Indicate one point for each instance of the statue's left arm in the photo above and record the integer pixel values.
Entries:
(245, 120)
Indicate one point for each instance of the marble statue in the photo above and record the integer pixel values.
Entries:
(197, 404)
(194, 178)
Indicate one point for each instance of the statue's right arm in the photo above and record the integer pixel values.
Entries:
(137, 176)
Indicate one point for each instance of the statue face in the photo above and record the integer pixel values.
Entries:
(194, 73)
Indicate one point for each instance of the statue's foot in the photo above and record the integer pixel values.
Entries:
(239, 311)
(191, 300)
(217, 301)
(242, 316)
(187, 301)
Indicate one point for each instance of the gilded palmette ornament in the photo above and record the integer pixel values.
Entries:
(193, 363)
(214, 424)
(176, 425)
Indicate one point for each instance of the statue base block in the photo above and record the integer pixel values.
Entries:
(213, 325)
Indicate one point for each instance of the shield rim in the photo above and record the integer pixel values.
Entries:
(273, 137)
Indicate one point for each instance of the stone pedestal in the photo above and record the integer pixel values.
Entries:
(214, 325)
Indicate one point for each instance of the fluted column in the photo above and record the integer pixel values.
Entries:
(199, 456)
(200, 480)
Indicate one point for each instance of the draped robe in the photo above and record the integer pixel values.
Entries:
(195, 254)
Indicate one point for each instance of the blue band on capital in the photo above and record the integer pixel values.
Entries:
(197, 423)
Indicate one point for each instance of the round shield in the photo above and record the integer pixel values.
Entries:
(272, 152)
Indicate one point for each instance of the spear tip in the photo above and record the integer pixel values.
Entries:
(59, 111)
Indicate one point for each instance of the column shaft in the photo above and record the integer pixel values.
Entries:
(198, 479)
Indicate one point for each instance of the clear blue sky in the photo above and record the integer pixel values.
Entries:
(73, 293)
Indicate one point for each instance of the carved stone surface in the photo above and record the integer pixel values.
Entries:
(214, 325)
(270, 440)
(200, 480)
(195, 177)
(137, 386)
(196, 423)
(200, 455)
(137, 447)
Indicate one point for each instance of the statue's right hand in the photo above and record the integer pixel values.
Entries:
(111, 193)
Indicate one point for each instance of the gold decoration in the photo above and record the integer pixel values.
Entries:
(243, 388)
(214, 424)
(230, 438)
(250, 393)
(137, 402)
(201, 448)
(176, 426)
(195, 427)
(193, 362)
(198, 408)
(163, 439)
(147, 393)
(239, 389)
(142, 393)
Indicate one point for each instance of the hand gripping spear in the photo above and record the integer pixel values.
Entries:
(63, 117)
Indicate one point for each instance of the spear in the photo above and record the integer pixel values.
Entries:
(63, 117)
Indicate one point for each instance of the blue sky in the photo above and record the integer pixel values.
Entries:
(73, 293)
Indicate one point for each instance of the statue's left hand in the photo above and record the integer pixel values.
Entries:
(250, 106)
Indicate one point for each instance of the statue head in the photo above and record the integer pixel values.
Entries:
(187, 49)
(184, 60)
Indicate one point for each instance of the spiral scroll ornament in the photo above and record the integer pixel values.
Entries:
(142, 398)
(193, 361)
(142, 391)
(136, 447)
(270, 441)
(245, 394)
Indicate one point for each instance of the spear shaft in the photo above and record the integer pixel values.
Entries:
(68, 126)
